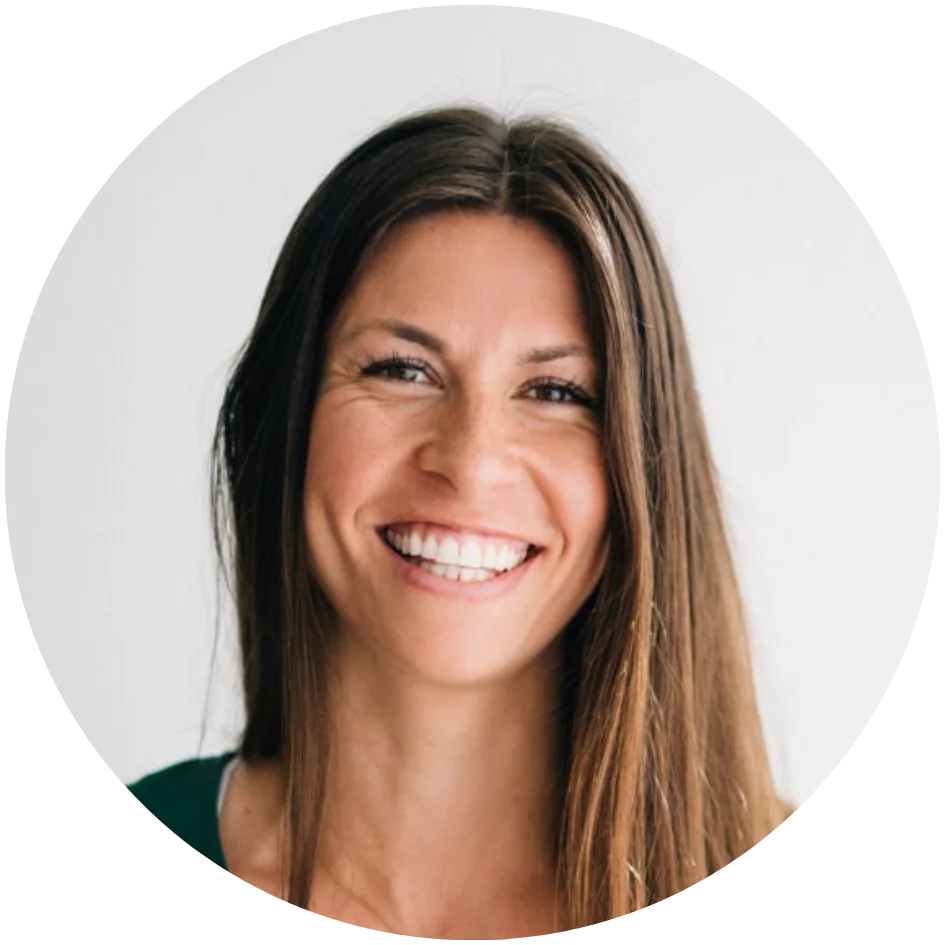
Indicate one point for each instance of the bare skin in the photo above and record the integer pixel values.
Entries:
(439, 824)
(249, 828)
(441, 812)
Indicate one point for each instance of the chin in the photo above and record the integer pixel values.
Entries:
(459, 657)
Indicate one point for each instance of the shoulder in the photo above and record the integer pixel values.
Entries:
(251, 823)
(183, 797)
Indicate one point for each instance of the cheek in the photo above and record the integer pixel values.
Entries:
(350, 461)
(349, 451)
(584, 460)
(581, 498)
(343, 470)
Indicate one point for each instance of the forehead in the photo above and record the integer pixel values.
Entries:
(472, 278)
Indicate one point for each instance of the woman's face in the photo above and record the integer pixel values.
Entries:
(455, 498)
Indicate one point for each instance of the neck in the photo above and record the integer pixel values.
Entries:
(441, 799)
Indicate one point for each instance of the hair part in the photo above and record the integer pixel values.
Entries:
(664, 776)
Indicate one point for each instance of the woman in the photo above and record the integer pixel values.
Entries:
(494, 658)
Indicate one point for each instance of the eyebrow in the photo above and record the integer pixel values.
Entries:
(408, 332)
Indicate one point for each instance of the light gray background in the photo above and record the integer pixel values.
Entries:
(812, 375)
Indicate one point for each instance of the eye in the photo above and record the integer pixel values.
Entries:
(395, 368)
(563, 393)
(554, 391)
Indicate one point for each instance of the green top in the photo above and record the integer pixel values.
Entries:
(184, 798)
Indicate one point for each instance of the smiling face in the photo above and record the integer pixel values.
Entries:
(455, 498)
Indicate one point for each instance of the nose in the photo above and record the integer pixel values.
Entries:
(471, 445)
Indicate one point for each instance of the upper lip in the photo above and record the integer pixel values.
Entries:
(472, 528)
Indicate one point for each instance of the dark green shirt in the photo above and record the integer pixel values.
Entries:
(184, 798)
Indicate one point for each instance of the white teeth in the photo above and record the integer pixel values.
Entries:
(471, 554)
(465, 575)
(465, 554)
(448, 551)
(429, 548)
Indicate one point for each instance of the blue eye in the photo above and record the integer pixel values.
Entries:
(410, 371)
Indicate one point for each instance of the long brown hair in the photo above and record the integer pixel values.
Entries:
(664, 773)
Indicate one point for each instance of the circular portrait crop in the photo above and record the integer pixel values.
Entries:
(472, 489)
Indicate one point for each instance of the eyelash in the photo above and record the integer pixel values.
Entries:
(377, 367)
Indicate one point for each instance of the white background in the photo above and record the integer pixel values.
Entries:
(808, 362)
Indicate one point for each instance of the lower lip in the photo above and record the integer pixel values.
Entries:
(465, 590)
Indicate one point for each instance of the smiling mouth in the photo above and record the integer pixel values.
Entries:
(426, 563)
